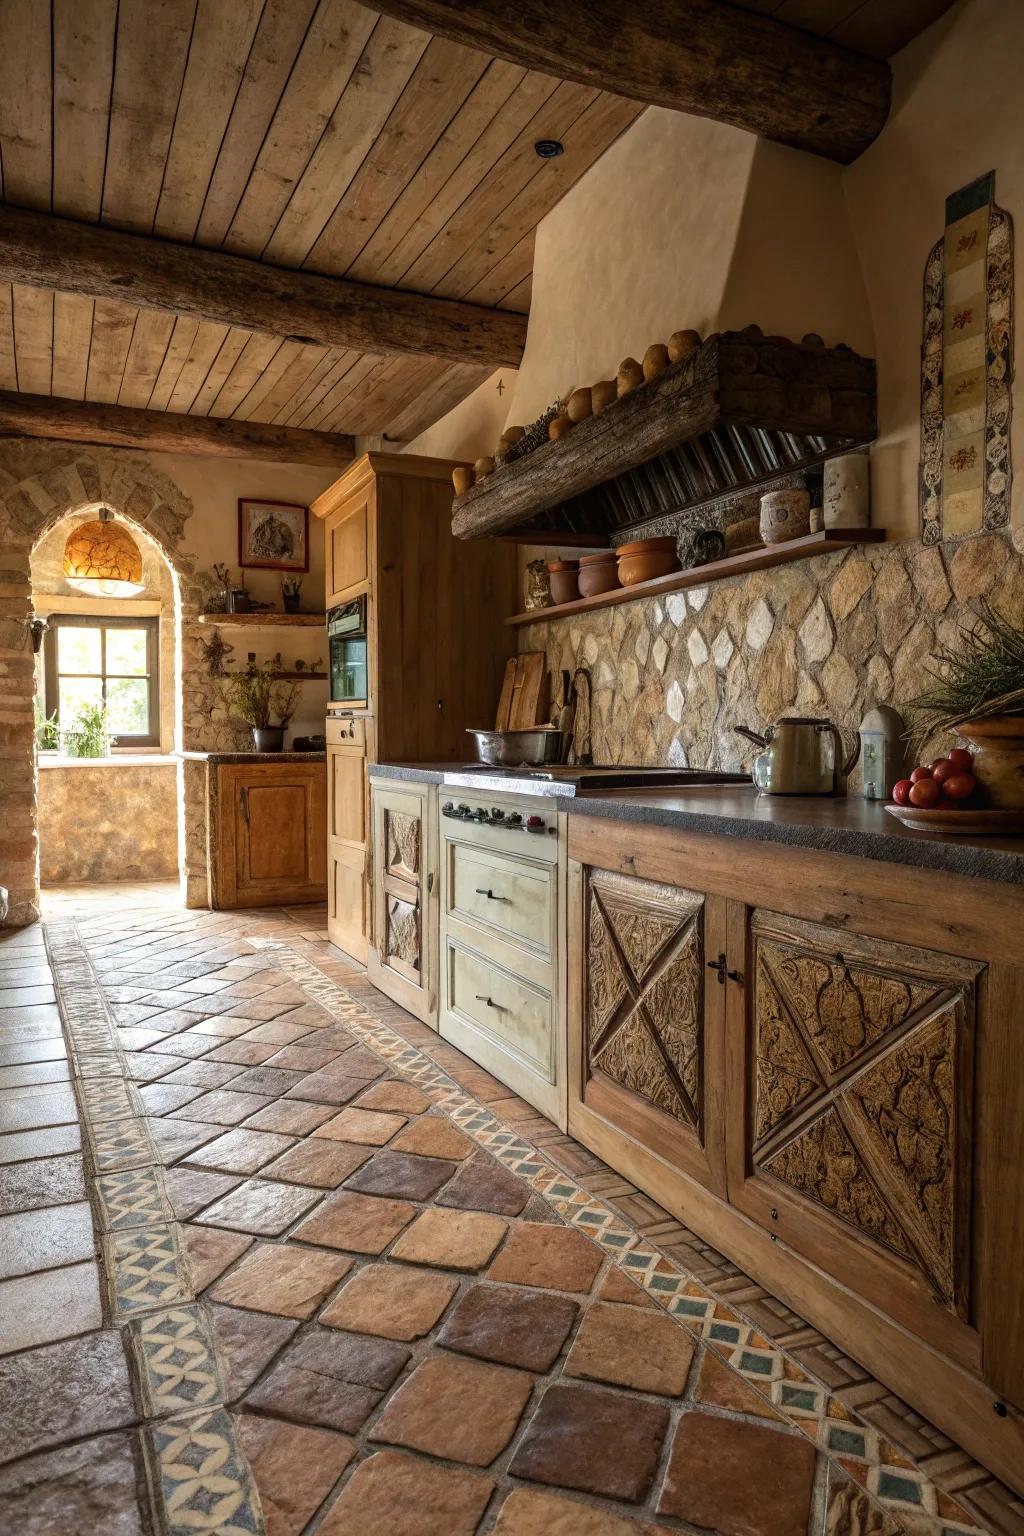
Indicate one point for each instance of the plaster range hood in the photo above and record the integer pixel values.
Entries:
(740, 411)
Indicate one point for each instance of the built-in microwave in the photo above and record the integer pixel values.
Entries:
(346, 640)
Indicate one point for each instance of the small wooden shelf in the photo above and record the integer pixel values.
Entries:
(264, 620)
(716, 570)
(299, 677)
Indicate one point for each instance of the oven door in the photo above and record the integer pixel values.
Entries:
(346, 639)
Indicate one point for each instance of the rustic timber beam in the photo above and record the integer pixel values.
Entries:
(48, 252)
(699, 56)
(81, 421)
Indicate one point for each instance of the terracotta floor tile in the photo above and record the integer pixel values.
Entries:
(274, 1081)
(41, 1182)
(326, 1087)
(395, 1495)
(484, 1185)
(433, 1136)
(274, 1031)
(451, 1239)
(742, 1479)
(89, 1487)
(393, 1094)
(370, 1127)
(204, 1074)
(331, 1379)
(226, 1026)
(718, 1384)
(65, 1391)
(282, 1278)
(358, 1061)
(241, 1151)
(161, 1097)
(553, 1257)
(631, 1347)
(405, 1178)
(142, 1040)
(243, 1053)
(391, 1302)
(246, 1342)
(303, 1057)
(225, 1106)
(37, 1309)
(210, 1252)
(457, 1409)
(174, 1138)
(360, 1223)
(323, 1164)
(510, 1326)
(290, 1116)
(186, 1045)
(261, 1207)
(527, 1512)
(190, 1189)
(619, 1287)
(593, 1440)
(295, 1469)
(45, 1239)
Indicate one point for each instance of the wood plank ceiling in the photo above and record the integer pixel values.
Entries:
(304, 133)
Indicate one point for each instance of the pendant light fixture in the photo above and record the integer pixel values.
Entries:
(102, 559)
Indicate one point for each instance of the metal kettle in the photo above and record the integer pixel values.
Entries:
(801, 756)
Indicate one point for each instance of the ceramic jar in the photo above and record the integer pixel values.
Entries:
(598, 573)
(785, 515)
(847, 497)
(998, 744)
(646, 558)
(564, 579)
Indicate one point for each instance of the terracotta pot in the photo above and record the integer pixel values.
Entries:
(598, 573)
(785, 515)
(998, 744)
(564, 576)
(645, 559)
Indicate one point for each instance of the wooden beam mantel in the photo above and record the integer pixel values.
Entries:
(81, 421)
(48, 252)
(699, 56)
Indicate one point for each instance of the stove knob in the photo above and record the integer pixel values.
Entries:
(514, 819)
(479, 814)
(448, 809)
(496, 814)
(462, 810)
(535, 824)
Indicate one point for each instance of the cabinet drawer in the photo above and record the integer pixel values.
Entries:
(345, 730)
(514, 1014)
(508, 894)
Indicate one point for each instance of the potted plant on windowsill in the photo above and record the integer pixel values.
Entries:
(258, 699)
(979, 693)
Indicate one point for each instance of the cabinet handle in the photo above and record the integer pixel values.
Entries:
(719, 966)
(491, 896)
(482, 997)
(245, 803)
(430, 882)
(735, 975)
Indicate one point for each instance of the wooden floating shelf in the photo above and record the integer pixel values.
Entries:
(716, 570)
(739, 412)
(299, 677)
(264, 620)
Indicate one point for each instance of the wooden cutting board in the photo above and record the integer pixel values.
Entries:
(523, 702)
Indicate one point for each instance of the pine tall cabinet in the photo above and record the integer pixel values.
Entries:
(437, 645)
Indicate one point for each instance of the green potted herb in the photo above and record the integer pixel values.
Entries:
(979, 693)
(257, 699)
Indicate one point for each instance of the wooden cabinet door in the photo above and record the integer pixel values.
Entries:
(348, 848)
(347, 548)
(647, 998)
(402, 954)
(270, 834)
(857, 1138)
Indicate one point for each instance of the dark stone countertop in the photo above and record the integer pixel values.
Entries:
(412, 773)
(254, 757)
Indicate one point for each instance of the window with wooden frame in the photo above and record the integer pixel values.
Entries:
(108, 661)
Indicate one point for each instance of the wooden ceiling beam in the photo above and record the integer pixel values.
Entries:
(118, 426)
(700, 56)
(47, 252)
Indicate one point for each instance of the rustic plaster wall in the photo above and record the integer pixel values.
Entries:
(116, 821)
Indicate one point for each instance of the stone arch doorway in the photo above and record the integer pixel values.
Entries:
(32, 502)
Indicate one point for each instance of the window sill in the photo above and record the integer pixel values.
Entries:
(121, 760)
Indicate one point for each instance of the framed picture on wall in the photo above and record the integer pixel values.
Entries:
(273, 535)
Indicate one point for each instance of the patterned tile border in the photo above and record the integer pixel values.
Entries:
(856, 1450)
(199, 1480)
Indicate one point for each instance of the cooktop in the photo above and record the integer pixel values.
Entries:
(573, 779)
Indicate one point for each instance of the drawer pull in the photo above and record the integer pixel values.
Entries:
(482, 997)
(491, 896)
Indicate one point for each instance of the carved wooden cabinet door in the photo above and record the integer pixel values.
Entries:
(403, 892)
(651, 1016)
(858, 1135)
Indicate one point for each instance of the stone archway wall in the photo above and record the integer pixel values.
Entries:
(39, 484)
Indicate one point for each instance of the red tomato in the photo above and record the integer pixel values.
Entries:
(962, 760)
(901, 791)
(943, 769)
(924, 793)
(959, 786)
(922, 771)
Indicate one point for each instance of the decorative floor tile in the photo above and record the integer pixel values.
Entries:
(146, 1269)
(202, 1480)
(133, 1198)
(120, 1144)
(177, 1367)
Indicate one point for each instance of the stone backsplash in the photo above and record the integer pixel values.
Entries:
(831, 636)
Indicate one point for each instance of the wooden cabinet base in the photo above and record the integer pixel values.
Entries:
(266, 833)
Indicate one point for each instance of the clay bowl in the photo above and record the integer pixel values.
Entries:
(646, 559)
(564, 579)
(598, 573)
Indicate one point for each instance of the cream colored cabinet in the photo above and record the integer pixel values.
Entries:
(403, 951)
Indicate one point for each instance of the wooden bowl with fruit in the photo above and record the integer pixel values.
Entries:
(945, 796)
